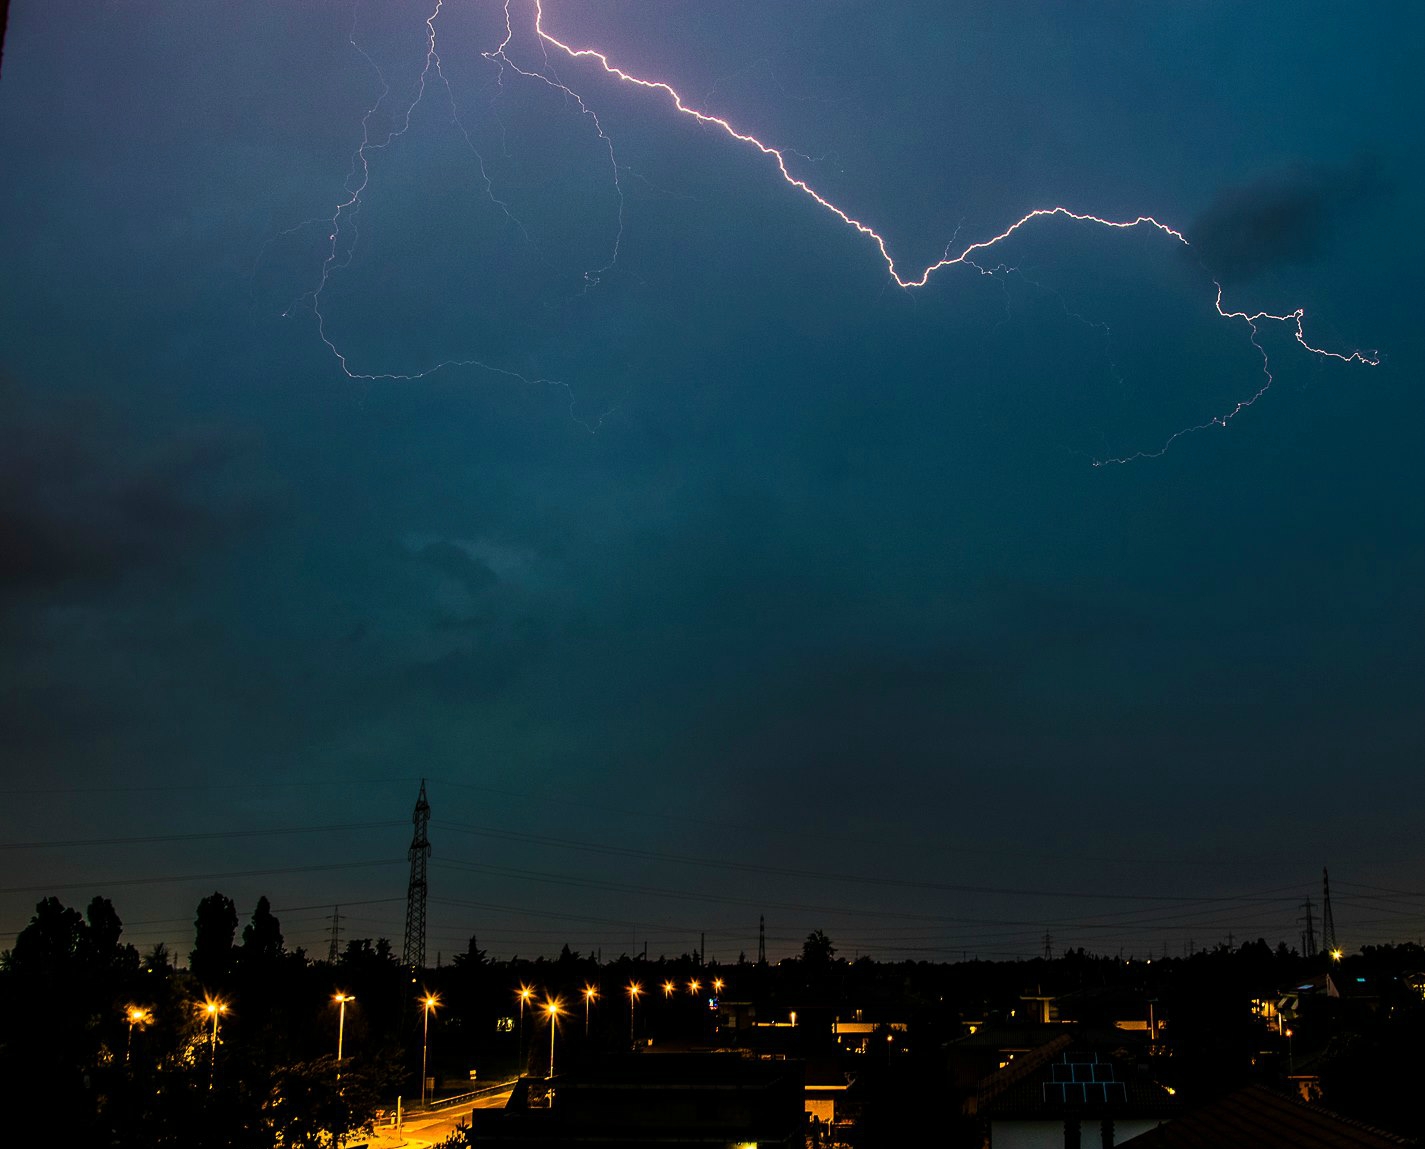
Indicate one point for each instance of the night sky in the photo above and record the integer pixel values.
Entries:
(738, 580)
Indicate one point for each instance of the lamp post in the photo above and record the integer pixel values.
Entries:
(525, 993)
(718, 983)
(431, 1002)
(553, 1009)
(694, 986)
(634, 990)
(589, 994)
(668, 989)
(140, 1016)
(341, 999)
(213, 1007)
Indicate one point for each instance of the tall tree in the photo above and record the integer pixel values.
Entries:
(52, 943)
(215, 927)
(100, 940)
(262, 937)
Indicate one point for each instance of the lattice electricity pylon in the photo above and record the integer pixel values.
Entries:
(413, 952)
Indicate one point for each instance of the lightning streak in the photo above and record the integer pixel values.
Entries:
(339, 253)
(968, 255)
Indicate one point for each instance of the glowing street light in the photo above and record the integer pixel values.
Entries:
(341, 999)
(669, 989)
(213, 1007)
(136, 1015)
(524, 994)
(694, 986)
(1337, 955)
(430, 1003)
(718, 983)
(590, 993)
(634, 990)
(552, 1008)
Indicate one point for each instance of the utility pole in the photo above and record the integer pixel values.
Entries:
(1308, 930)
(333, 949)
(413, 952)
(761, 939)
(1328, 922)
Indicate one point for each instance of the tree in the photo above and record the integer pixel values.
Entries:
(52, 943)
(472, 957)
(215, 926)
(817, 950)
(262, 937)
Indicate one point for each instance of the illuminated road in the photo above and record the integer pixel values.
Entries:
(426, 1129)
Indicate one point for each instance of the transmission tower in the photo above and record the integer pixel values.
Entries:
(413, 953)
(1308, 930)
(761, 939)
(1048, 946)
(332, 950)
(1328, 922)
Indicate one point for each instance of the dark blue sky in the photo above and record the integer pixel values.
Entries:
(740, 552)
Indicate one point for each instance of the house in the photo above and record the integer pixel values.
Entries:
(1260, 1118)
(1071, 1092)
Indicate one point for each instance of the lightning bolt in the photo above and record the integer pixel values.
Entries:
(973, 255)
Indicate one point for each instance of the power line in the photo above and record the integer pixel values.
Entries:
(209, 835)
(104, 883)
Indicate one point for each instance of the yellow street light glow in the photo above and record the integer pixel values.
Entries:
(137, 1015)
(634, 989)
(1336, 955)
(694, 985)
(590, 993)
(525, 993)
(718, 983)
(431, 1002)
(341, 998)
(668, 988)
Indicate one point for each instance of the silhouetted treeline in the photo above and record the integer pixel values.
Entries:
(239, 1048)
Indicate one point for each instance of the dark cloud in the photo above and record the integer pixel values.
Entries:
(85, 497)
(1279, 221)
(458, 563)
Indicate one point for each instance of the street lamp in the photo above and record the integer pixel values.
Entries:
(694, 986)
(589, 994)
(431, 1002)
(525, 993)
(552, 1008)
(341, 999)
(718, 983)
(634, 990)
(668, 989)
(213, 1007)
(137, 1015)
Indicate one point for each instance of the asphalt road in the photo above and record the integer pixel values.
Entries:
(421, 1130)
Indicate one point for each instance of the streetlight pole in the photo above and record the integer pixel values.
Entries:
(431, 1002)
(589, 994)
(634, 989)
(213, 1007)
(341, 999)
(525, 994)
(553, 1009)
(137, 1016)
